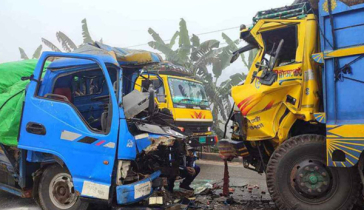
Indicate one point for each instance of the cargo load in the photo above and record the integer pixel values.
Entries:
(12, 92)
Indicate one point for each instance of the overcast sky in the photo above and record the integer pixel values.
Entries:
(120, 23)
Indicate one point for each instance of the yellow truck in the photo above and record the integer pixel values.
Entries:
(183, 97)
(299, 116)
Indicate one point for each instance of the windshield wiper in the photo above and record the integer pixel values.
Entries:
(185, 99)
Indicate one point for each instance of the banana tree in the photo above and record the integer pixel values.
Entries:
(206, 61)
(67, 44)
(36, 53)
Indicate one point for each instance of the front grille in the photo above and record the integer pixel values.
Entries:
(198, 129)
(195, 127)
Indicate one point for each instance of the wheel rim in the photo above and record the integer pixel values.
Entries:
(311, 179)
(61, 191)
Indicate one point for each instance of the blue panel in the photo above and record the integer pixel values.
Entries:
(344, 99)
(126, 193)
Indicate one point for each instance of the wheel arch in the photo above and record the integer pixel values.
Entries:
(46, 160)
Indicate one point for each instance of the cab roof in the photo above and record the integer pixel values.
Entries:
(112, 55)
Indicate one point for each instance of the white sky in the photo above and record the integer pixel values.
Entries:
(120, 23)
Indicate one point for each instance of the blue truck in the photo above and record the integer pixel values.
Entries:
(86, 135)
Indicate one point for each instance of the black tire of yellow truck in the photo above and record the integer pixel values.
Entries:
(298, 178)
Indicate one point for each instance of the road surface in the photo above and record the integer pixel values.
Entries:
(210, 170)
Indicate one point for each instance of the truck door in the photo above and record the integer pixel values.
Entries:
(52, 125)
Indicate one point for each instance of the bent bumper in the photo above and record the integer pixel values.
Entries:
(135, 192)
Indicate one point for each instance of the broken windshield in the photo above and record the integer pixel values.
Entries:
(185, 92)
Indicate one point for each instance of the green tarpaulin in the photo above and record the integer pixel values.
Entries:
(12, 93)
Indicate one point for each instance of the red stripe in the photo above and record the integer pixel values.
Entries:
(101, 142)
(245, 100)
(269, 105)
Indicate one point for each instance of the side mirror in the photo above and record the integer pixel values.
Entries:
(157, 84)
(161, 98)
(235, 57)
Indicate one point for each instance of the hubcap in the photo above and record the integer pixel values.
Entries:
(61, 191)
(312, 179)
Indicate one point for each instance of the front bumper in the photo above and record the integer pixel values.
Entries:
(197, 141)
(135, 192)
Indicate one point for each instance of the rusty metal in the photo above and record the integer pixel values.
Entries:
(225, 189)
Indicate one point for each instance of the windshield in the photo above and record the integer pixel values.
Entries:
(185, 92)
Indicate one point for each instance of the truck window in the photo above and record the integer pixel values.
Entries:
(187, 93)
(156, 83)
(85, 90)
(272, 38)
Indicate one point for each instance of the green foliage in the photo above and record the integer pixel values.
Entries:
(195, 41)
(67, 44)
(85, 33)
(36, 54)
(199, 57)
(50, 45)
(23, 55)
(155, 36)
(173, 40)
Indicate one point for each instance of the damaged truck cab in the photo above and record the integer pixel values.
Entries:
(79, 137)
(296, 120)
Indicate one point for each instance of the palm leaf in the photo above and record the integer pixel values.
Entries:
(184, 41)
(230, 42)
(252, 54)
(37, 52)
(195, 41)
(50, 45)
(204, 48)
(171, 55)
(207, 59)
(232, 46)
(67, 44)
(23, 55)
(173, 40)
(85, 33)
(184, 38)
(222, 61)
(155, 36)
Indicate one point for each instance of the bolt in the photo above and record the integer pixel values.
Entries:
(301, 175)
(302, 184)
(309, 190)
(307, 168)
(316, 168)
(325, 183)
(323, 174)
(318, 190)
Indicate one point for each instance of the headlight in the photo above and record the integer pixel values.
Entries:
(174, 133)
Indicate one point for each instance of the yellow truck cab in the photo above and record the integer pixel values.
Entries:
(184, 98)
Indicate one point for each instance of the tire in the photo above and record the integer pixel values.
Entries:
(297, 177)
(55, 177)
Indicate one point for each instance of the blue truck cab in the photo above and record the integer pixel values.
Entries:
(76, 143)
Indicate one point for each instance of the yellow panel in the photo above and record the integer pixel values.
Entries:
(348, 131)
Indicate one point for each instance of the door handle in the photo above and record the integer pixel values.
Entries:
(36, 128)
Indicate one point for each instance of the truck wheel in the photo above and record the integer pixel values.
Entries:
(298, 178)
(56, 191)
